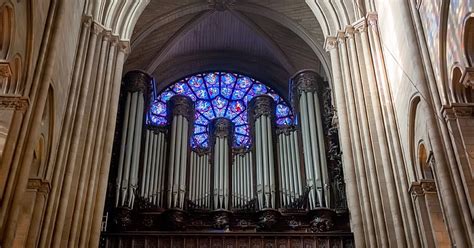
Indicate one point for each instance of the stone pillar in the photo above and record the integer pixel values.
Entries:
(221, 130)
(181, 117)
(353, 199)
(305, 86)
(262, 115)
(136, 86)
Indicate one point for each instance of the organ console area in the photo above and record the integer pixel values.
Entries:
(278, 169)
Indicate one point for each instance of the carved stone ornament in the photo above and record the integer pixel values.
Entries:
(181, 105)
(428, 186)
(323, 220)
(221, 220)
(14, 103)
(415, 189)
(5, 70)
(285, 129)
(261, 105)
(306, 81)
(221, 5)
(221, 127)
(268, 218)
(138, 81)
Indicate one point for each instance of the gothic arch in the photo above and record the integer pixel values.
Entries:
(6, 29)
(468, 39)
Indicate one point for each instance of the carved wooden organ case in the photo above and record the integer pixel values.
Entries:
(286, 178)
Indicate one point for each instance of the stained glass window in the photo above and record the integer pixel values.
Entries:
(219, 94)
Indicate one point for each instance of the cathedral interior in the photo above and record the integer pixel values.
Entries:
(237, 123)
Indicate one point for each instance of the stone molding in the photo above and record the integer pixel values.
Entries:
(360, 25)
(221, 5)
(372, 19)
(459, 110)
(14, 103)
(423, 187)
(5, 69)
(39, 184)
(181, 105)
(330, 43)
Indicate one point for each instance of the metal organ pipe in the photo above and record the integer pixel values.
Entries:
(220, 134)
(181, 114)
(129, 158)
(261, 113)
(305, 86)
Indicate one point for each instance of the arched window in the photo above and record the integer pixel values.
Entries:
(218, 94)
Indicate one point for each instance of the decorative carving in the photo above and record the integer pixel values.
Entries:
(14, 103)
(360, 26)
(372, 19)
(428, 186)
(221, 220)
(181, 105)
(123, 218)
(261, 105)
(323, 220)
(138, 81)
(331, 43)
(221, 5)
(175, 219)
(5, 70)
(39, 184)
(306, 81)
(300, 202)
(350, 32)
(221, 128)
(341, 37)
(285, 129)
(268, 218)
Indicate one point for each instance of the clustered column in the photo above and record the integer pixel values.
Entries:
(221, 135)
(291, 187)
(152, 184)
(304, 87)
(242, 178)
(127, 179)
(262, 116)
(181, 115)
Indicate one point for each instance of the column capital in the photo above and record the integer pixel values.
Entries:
(360, 25)
(221, 128)
(261, 105)
(137, 81)
(350, 30)
(330, 43)
(181, 105)
(372, 18)
(341, 37)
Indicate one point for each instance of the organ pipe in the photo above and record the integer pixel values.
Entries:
(261, 116)
(305, 89)
(127, 177)
(221, 134)
(181, 115)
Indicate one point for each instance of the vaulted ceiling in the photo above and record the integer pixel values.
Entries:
(269, 40)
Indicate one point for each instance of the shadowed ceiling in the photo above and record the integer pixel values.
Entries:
(268, 40)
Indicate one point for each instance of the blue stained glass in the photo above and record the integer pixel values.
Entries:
(165, 96)
(259, 89)
(238, 94)
(213, 91)
(158, 108)
(199, 129)
(195, 82)
(242, 129)
(201, 93)
(228, 80)
(219, 102)
(244, 83)
(211, 79)
(199, 119)
(158, 120)
(203, 106)
(282, 110)
(226, 92)
(284, 121)
(219, 94)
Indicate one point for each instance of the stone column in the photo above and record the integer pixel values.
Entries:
(136, 85)
(353, 199)
(262, 115)
(305, 86)
(221, 130)
(181, 117)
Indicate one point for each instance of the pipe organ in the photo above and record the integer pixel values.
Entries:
(279, 169)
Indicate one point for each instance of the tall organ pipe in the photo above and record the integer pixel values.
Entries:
(137, 86)
(262, 115)
(221, 134)
(181, 116)
(306, 85)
